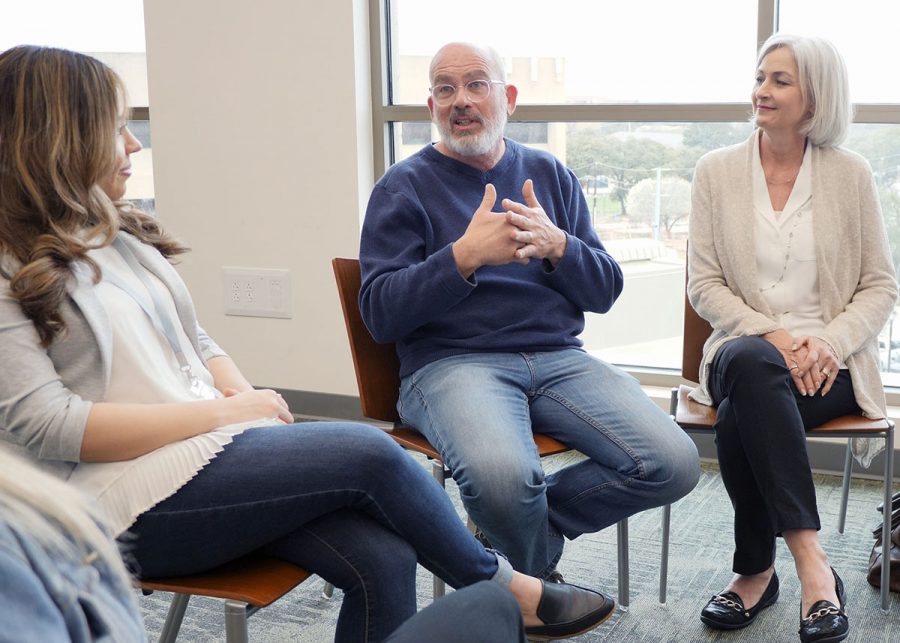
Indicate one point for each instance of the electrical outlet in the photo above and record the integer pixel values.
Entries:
(256, 292)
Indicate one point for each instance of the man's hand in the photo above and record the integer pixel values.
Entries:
(490, 239)
(538, 236)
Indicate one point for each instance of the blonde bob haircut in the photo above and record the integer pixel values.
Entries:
(823, 84)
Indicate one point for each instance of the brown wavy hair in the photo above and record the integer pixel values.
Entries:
(59, 116)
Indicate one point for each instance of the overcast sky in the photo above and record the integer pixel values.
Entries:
(693, 50)
(84, 25)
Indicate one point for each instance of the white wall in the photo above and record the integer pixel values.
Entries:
(262, 158)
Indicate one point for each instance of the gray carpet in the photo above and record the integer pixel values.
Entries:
(700, 564)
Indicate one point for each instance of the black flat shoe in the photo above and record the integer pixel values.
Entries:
(568, 610)
(825, 622)
(726, 611)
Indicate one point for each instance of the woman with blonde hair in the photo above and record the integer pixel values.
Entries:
(118, 390)
(790, 264)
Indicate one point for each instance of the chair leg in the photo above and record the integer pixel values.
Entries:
(622, 533)
(886, 518)
(174, 617)
(328, 590)
(845, 488)
(236, 622)
(440, 474)
(664, 561)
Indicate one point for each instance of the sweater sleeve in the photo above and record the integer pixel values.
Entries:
(708, 289)
(208, 347)
(876, 293)
(402, 289)
(37, 410)
(587, 275)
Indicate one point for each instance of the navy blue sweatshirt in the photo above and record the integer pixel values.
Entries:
(413, 294)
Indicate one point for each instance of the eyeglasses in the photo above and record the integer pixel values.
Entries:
(475, 91)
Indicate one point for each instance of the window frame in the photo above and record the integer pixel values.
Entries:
(385, 114)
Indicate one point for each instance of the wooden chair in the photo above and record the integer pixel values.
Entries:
(377, 370)
(699, 418)
(246, 585)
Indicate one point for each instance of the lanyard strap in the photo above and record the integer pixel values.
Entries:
(161, 320)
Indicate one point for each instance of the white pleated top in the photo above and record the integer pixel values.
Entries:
(144, 370)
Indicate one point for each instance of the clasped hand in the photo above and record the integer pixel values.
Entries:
(256, 403)
(522, 233)
(812, 363)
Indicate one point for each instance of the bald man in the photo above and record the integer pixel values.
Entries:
(479, 261)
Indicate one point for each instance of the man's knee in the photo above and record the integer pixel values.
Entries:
(678, 469)
(501, 485)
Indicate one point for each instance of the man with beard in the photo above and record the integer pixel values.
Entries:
(486, 307)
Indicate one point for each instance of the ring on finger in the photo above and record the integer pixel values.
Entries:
(793, 366)
(826, 372)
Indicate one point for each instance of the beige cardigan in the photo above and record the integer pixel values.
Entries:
(857, 282)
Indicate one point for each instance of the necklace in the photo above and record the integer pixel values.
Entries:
(791, 179)
(787, 253)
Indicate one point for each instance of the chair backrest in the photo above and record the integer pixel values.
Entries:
(696, 331)
(377, 365)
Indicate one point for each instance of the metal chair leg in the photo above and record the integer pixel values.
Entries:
(174, 617)
(845, 488)
(328, 590)
(664, 561)
(236, 622)
(440, 474)
(622, 533)
(886, 518)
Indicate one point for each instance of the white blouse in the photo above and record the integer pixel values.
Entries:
(786, 252)
(144, 370)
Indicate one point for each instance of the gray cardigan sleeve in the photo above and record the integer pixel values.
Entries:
(208, 347)
(36, 410)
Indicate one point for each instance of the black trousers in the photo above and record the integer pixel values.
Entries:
(760, 427)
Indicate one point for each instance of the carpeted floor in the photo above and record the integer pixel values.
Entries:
(700, 564)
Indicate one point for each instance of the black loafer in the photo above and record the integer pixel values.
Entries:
(726, 611)
(568, 610)
(825, 622)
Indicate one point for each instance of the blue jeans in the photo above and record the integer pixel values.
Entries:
(340, 499)
(479, 411)
(761, 424)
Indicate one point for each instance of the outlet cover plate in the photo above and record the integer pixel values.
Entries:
(256, 292)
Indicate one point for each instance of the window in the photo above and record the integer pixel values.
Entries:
(111, 31)
(854, 29)
(588, 51)
(529, 133)
(629, 95)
